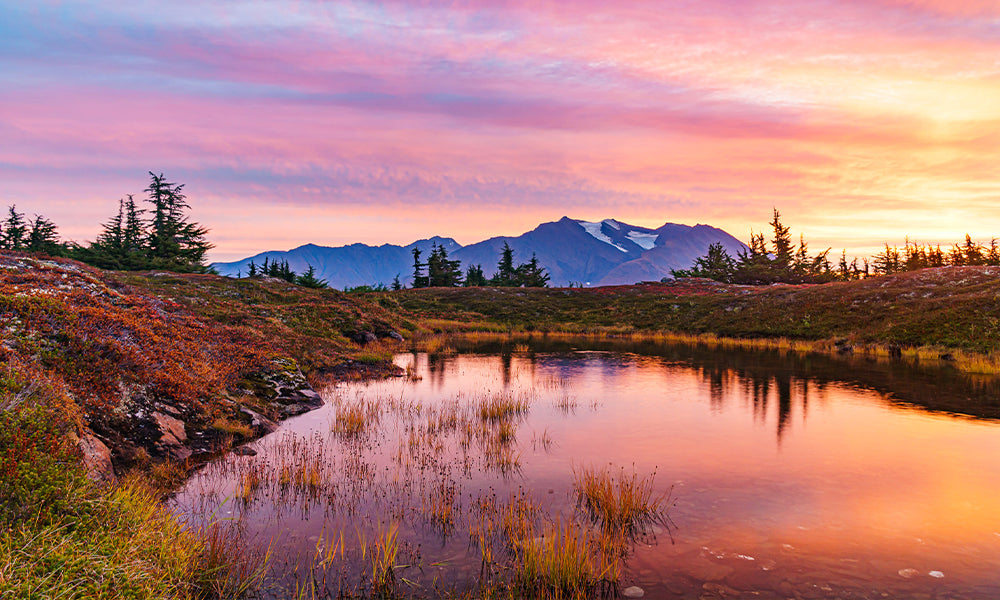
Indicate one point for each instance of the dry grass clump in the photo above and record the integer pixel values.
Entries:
(355, 418)
(619, 503)
(381, 555)
(560, 563)
(233, 428)
(525, 555)
(502, 405)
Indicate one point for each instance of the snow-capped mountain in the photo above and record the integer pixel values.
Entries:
(607, 252)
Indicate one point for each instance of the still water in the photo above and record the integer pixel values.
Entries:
(787, 477)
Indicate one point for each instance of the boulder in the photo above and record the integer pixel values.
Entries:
(261, 424)
(96, 458)
(173, 438)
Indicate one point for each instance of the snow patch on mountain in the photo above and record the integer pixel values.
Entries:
(644, 240)
(594, 229)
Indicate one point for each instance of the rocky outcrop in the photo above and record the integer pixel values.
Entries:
(144, 429)
(96, 458)
(173, 438)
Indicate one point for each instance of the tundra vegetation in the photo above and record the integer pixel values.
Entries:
(89, 354)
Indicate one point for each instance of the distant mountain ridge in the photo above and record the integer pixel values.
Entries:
(607, 252)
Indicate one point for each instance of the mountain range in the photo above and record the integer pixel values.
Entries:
(607, 252)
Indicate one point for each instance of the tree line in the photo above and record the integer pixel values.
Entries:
(160, 237)
(282, 270)
(136, 238)
(782, 262)
(440, 271)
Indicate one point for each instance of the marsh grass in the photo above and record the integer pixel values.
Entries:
(381, 553)
(353, 419)
(561, 563)
(620, 503)
(233, 428)
(502, 405)
(523, 550)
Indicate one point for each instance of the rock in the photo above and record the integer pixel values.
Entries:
(908, 573)
(396, 336)
(936, 574)
(244, 451)
(295, 409)
(363, 337)
(173, 438)
(96, 458)
(173, 429)
(633, 592)
(261, 424)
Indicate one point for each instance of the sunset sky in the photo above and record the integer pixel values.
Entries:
(329, 122)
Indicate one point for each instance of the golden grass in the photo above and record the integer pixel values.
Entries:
(381, 555)
(619, 502)
(234, 428)
(502, 405)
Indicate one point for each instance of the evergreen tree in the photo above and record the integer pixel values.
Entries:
(42, 237)
(172, 240)
(285, 272)
(133, 229)
(309, 280)
(782, 244)
(396, 283)
(505, 275)
(843, 268)
(442, 272)
(252, 271)
(15, 230)
(972, 252)
(474, 276)
(531, 274)
(993, 254)
(716, 264)
(887, 261)
(419, 280)
(753, 265)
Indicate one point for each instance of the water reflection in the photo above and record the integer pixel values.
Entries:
(792, 474)
(757, 373)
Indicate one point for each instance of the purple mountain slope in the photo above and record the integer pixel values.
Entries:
(607, 252)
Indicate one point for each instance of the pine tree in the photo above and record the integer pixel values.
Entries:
(396, 283)
(531, 274)
(782, 244)
(419, 280)
(972, 252)
(474, 276)
(42, 237)
(887, 262)
(15, 230)
(505, 275)
(442, 272)
(252, 271)
(133, 229)
(172, 239)
(309, 280)
(993, 254)
(716, 264)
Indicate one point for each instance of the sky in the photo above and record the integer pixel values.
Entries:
(293, 122)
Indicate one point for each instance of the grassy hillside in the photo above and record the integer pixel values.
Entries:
(140, 372)
(950, 307)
